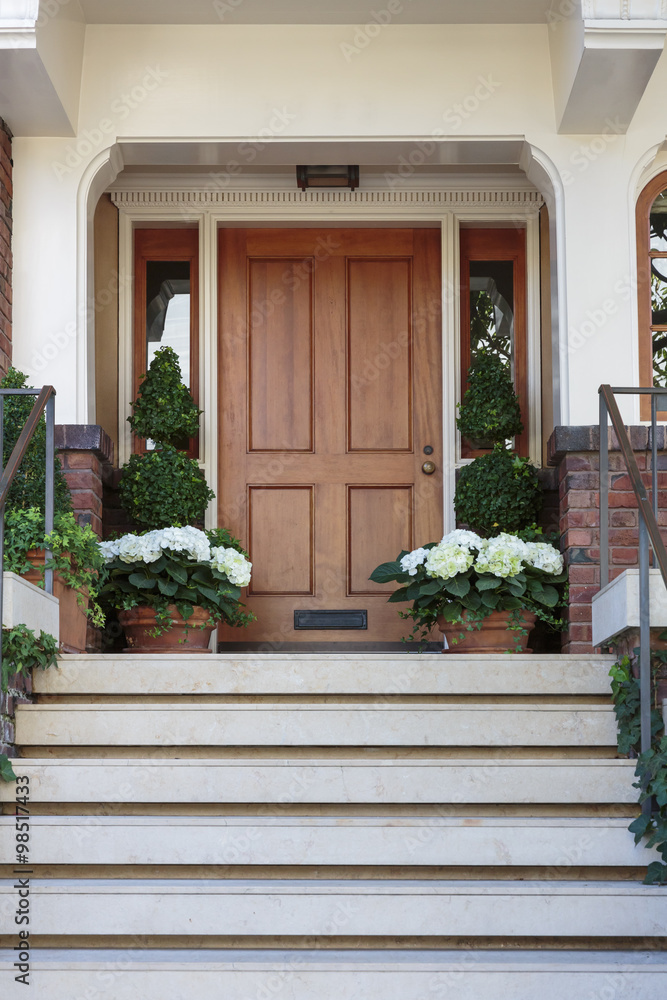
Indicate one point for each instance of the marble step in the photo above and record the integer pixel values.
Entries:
(557, 843)
(276, 724)
(334, 908)
(328, 673)
(338, 975)
(326, 781)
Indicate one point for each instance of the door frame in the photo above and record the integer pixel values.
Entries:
(449, 204)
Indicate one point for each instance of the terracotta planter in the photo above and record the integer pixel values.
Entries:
(72, 616)
(494, 636)
(183, 636)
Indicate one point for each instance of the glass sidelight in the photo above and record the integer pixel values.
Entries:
(166, 301)
(493, 309)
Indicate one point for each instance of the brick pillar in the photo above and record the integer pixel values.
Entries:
(574, 451)
(5, 247)
(86, 453)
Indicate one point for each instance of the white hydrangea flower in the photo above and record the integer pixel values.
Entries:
(503, 556)
(412, 560)
(447, 559)
(466, 538)
(233, 564)
(109, 550)
(543, 556)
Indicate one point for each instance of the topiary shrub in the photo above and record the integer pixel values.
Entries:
(490, 409)
(498, 492)
(164, 410)
(27, 490)
(164, 488)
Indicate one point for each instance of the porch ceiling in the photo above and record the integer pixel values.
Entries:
(309, 12)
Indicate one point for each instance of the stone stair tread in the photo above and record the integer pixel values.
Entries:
(558, 843)
(320, 780)
(277, 724)
(335, 974)
(327, 673)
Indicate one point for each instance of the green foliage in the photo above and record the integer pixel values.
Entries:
(75, 553)
(490, 409)
(6, 769)
(651, 770)
(22, 651)
(164, 488)
(164, 410)
(498, 492)
(28, 487)
(651, 773)
(175, 579)
(470, 597)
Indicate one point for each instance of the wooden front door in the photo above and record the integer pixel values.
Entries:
(330, 390)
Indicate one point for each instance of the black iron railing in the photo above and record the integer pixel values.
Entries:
(45, 403)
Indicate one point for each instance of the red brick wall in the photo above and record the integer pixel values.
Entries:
(574, 452)
(5, 247)
(86, 454)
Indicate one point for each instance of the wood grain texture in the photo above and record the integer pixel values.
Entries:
(379, 354)
(396, 281)
(280, 524)
(280, 355)
(379, 521)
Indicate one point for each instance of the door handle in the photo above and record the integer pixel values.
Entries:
(428, 468)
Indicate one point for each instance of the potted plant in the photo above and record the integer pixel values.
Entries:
(75, 557)
(485, 586)
(171, 586)
(478, 589)
(173, 582)
(489, 411)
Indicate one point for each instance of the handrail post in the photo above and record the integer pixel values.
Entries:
(644, 643)
(604, 493)
(50, 487)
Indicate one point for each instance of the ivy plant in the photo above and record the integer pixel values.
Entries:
(75, 554)
(489, 411)
(164, 410)
(22, 651)
(164, 488)
(651, 770)
(498, 492)
(28, 488)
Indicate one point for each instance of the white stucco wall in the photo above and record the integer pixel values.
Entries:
(311, 83)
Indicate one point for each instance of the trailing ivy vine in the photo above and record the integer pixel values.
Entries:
(651, 770)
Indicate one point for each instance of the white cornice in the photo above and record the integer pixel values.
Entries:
(624, 10)
(479, 196)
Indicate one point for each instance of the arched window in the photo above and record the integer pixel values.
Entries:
(652, 283)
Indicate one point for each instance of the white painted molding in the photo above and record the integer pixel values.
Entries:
(624, 10)
(202, 198)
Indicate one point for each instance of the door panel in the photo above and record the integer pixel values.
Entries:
(330, 388)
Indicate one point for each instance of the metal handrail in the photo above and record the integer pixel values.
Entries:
(649, 533)
(45, 402)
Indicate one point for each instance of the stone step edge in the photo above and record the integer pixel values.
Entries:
(338, 960)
